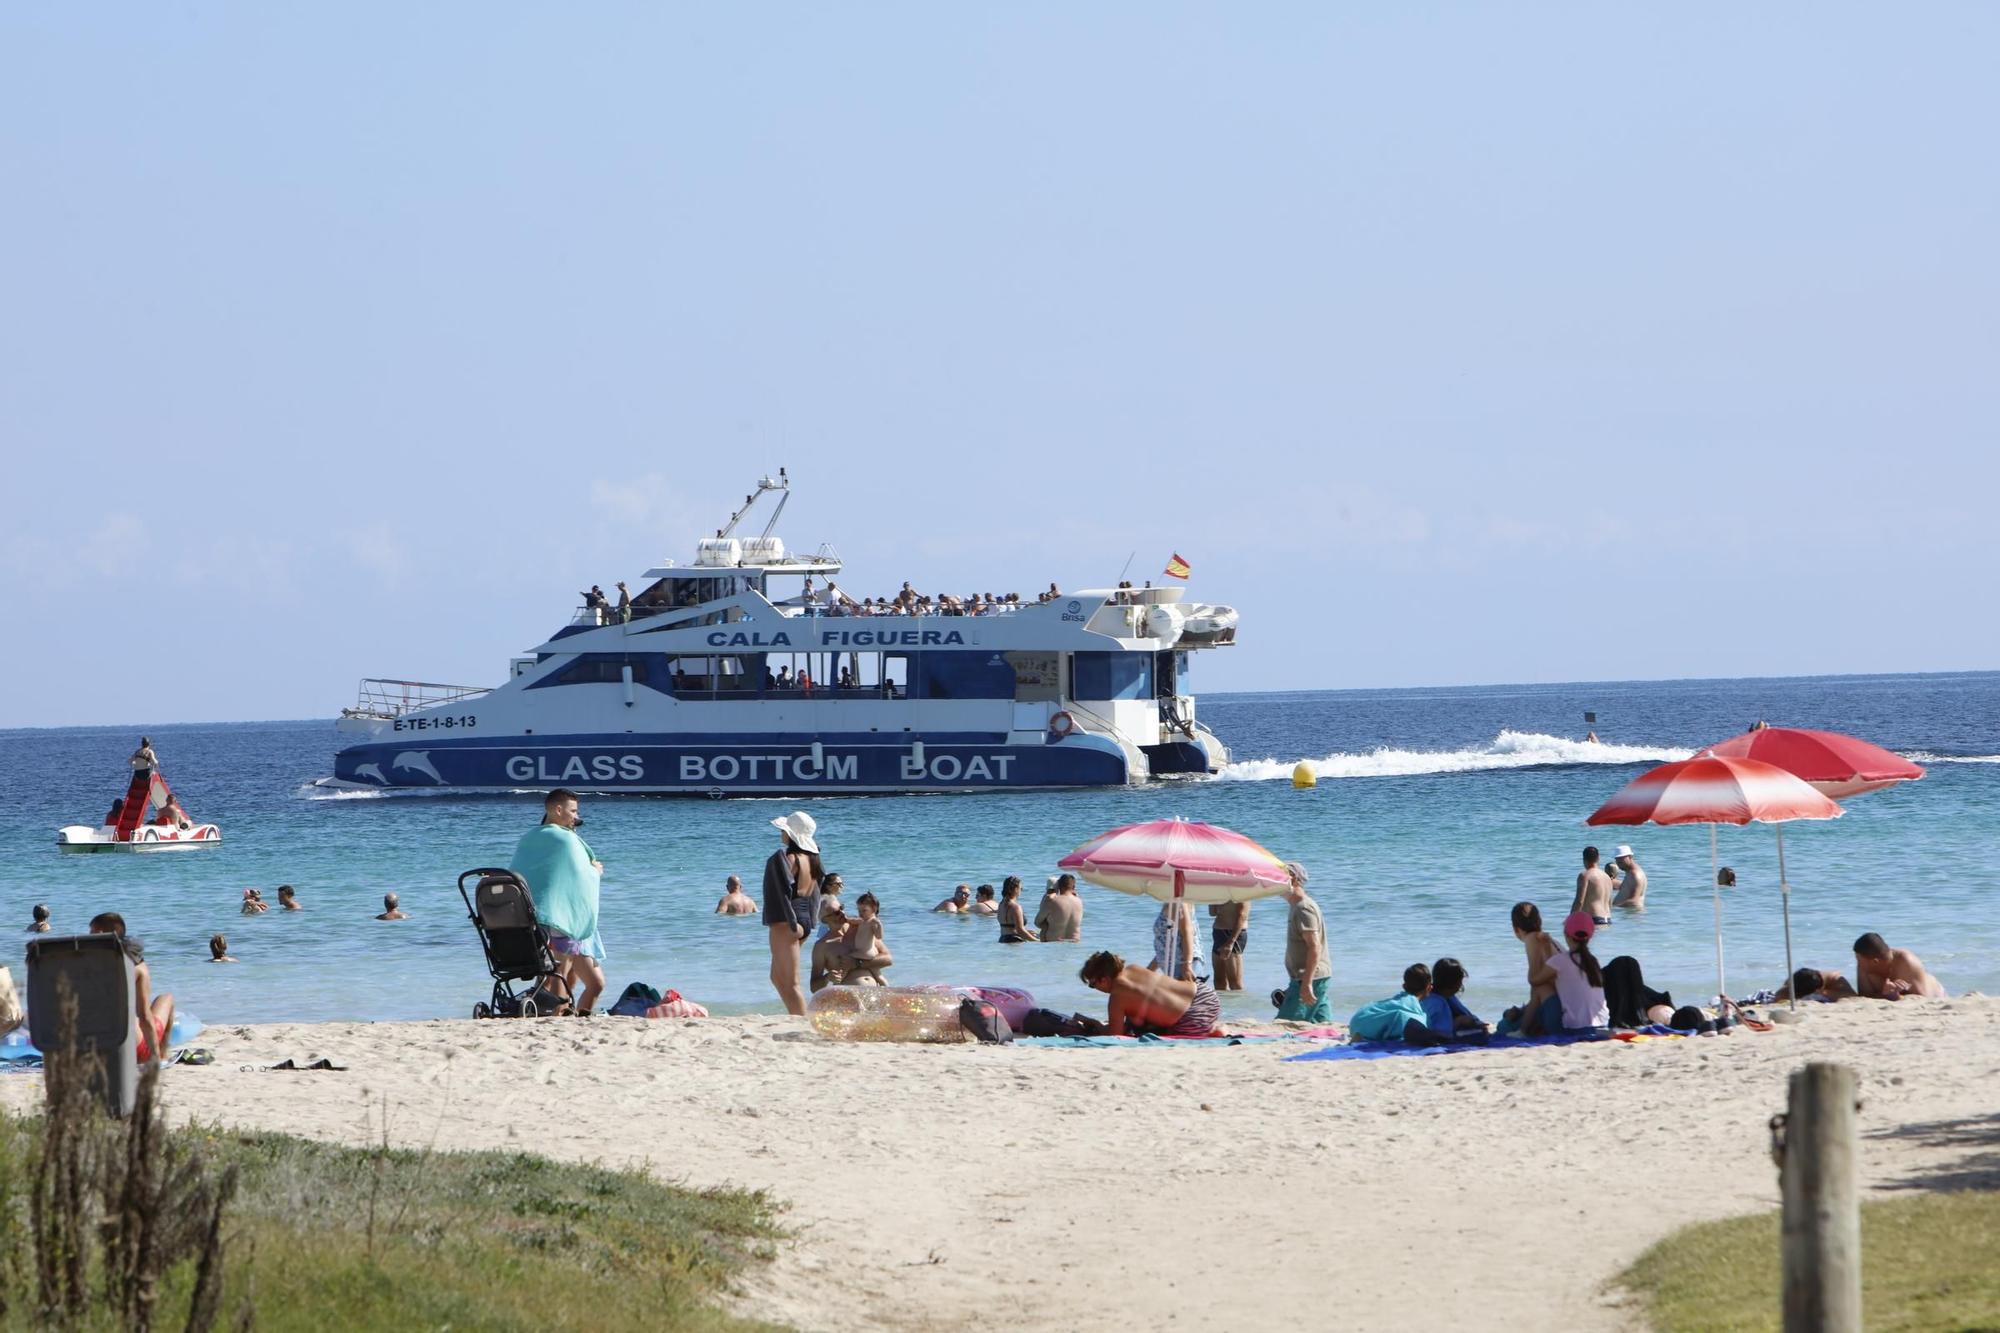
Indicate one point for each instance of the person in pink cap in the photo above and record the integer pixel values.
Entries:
(1578, 1004)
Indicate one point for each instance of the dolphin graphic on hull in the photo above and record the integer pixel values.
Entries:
(418, 761)
(373, 772)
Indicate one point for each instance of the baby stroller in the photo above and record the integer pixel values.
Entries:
(516, 945)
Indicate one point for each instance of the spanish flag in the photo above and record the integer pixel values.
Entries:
(1177, 568)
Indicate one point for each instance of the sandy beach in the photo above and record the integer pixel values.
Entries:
(964, 1186)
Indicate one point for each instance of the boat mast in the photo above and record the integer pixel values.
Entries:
(783, 483)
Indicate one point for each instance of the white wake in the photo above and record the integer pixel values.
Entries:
(1510, 749)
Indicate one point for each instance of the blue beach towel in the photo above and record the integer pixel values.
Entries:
(14, 1047)
(1148, 1040)
(1383, 1050)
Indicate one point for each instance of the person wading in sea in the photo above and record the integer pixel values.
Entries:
(791, 902)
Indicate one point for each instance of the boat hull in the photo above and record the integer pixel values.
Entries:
(743, 765)
(148, 838)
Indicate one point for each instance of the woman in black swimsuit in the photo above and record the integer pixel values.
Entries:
(791, 902)
(1013, 917)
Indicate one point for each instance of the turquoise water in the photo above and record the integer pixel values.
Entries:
(1437, 810)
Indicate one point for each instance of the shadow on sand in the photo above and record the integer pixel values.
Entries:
(1969, 1149)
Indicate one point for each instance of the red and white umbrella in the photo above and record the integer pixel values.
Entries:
(1180, 859)
(1836, 765)
(1708, 789)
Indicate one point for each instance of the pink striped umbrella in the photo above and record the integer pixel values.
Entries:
(1708, 789)
(1175, 859)
(1837, 765)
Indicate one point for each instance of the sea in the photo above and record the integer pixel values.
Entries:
(1434, 812)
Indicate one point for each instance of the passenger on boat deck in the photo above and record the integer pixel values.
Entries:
(624, 603)
(39, 922)
(982, 903)
(770, 681)
(391, 909)
(117, 812)
(784, 678)
(594, 600)
(846, 678)
(1883, 973)
(218, 949)
(143, 759)
(253, 903)
(959, 901)
(734, 901)
(1145, 1001)
(288, 900)
(172, 815)
(153, 1014)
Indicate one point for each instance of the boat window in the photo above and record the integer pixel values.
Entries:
(1112, 676)
(976, 675)
(710, 677)
(648, 669)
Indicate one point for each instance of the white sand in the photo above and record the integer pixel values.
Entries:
(971, 1187)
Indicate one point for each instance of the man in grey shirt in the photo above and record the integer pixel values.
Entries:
(1307, 998)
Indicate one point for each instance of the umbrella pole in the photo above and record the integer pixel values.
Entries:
(1715, 890)
(1785, 896)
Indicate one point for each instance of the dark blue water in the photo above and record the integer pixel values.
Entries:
(1437, 809)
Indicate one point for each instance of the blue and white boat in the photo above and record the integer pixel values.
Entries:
(750, 672)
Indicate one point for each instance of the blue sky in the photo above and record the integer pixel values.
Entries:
(1451, 345)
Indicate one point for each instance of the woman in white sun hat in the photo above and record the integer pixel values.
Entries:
(791, 902)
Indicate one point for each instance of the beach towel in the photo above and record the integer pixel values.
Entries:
(1382, 1050)
(15, 1048)
(1152, 1039)
(556, 865)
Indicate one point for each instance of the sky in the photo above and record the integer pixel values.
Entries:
(1449, 344)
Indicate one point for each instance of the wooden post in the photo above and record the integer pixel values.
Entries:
(1822, 1232)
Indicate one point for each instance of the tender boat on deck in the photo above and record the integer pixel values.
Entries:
(736, 675)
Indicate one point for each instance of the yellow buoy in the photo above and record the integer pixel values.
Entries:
(1303, 776)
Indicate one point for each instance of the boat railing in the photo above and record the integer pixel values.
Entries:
(391, 699)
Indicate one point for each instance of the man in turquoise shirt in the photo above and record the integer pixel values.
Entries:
(562, 876)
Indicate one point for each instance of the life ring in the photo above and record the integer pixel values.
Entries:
(1061, 725)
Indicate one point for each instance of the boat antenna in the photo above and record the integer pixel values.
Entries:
(782, 484)
(1128, 566)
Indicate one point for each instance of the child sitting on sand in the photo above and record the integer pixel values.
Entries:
(1401, 1016)
(1444, 1013)
(867, 952)
(1525, 1020)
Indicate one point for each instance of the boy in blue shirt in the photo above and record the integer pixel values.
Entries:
(1401, 1016)
(1444, 1013)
